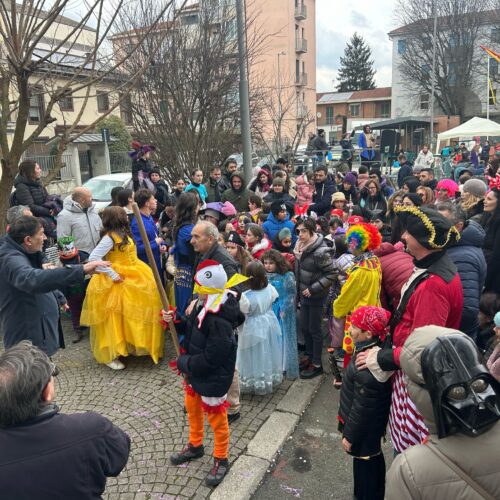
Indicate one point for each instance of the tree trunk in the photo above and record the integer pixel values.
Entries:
(6, 183)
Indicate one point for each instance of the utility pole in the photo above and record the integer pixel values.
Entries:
(433, 82)
(244, 93)
(488, 88)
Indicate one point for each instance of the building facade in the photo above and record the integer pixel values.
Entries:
(339, 112)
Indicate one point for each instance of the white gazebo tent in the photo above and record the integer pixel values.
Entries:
(474, 127)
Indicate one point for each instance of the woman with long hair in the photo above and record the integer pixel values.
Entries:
(186, 214)
(262, 183)
(236, 248)
(122, 303)
(197, 184)
(491, 246)
(374, 205)
(256, 242)
(427, 195)
(472, 199)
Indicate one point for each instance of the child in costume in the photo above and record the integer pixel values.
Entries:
(259, 359)
(236, 248)
(364, 406)
(122, 302)
(364, 278)
(283, 280)
(208, 363)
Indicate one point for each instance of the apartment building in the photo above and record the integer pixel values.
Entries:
(339, 112)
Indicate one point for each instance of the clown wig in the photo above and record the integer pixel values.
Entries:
(450, 186)
(363, 237)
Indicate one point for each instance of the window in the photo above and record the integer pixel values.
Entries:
(402, 46)
(189, 19)
(495, 35)
(329, 115)
(66, 101)
(354, 109)
(36, 105)
(126, 110)
(385, 109)
(102, 101)
(424, 101)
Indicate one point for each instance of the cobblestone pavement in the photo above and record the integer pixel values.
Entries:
(146, 401)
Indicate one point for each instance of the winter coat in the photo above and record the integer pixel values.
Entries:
(320, 145)
(61, 456)
(210, 349)
(214, 190)
(305, 190)
(260, 248)
(471, 265)
(322, 197)
(272, 227)
(32, 194)
(315, 270)
(83, 225)
(406, 170)
(424, 160)
(493, 362)
(475, 212)
(29, 309)
(152, 233)
(161, 195)
(367, 154)
(418, 473)
(397, 267)
(143, 165)
(364, 407)
(283, 198)
(374, 207)
(491, 249)
(352, 196)
(200, 188)
(238, 198)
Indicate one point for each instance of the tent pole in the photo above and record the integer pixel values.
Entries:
(488, 88)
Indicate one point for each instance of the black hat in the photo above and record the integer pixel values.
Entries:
(277, 207)
(431, 229)
(235, 239)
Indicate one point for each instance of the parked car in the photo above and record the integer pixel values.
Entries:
(101, 187)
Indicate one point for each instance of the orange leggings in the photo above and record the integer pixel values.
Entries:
(218, 422)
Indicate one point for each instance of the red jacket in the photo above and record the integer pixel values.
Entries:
(434, 302)
(397, 267)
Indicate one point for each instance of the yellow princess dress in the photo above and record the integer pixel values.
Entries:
(123, 316)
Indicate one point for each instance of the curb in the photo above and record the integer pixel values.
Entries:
(247, 472)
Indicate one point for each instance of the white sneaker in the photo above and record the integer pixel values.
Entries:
(116, 364)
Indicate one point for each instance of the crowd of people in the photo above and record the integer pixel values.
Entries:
(403, 280)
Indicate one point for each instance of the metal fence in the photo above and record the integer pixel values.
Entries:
(47, 164)
(120, 162)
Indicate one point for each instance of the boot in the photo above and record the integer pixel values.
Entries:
(190, 452)
(219, 470)
(77, 335)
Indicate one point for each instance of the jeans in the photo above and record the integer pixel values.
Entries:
(310, 325)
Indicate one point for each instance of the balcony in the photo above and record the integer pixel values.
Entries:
(300, 12)
(300, 45)
(301, 79)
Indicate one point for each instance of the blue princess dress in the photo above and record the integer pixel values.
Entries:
(259, 360)
(284, 309)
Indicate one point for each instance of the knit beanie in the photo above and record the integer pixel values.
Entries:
(475, 187)
(350, 178)
(277, 206)
(278, 182)
(284, 233)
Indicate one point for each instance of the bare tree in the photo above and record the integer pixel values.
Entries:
(46, 58)
(187, 102)
(461, 29)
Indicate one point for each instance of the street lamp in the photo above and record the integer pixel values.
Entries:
(282, 53)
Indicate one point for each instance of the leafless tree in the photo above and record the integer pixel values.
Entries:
(46, 58)
(462, 27)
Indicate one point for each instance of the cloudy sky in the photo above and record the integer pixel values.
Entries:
(337, 20)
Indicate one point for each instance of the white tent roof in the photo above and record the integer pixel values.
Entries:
(475, 126)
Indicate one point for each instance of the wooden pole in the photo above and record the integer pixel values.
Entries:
(156, 274)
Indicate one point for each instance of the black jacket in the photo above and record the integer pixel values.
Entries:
(491, 249)
(57, 456)
(364, 408)
(139, 164)
(210, 350)
(406, 170)
(315, 270)
(32, 194)
(322, 197)
(29, 309)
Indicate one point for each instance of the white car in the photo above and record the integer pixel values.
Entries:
(101, 187)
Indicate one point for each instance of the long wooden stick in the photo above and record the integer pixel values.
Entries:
(156, 274)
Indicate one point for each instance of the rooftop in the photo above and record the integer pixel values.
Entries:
(358, 95)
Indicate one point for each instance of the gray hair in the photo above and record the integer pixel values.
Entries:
(25, 370)
(456, 212)
(209, 229)
(14, 213)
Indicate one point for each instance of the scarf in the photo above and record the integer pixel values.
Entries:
(301, 247)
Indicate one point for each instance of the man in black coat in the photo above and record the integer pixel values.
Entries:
(47, 454)
(29, 309)
(405, 170)
(324, 187)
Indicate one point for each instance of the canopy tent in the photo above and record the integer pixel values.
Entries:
(474, 127)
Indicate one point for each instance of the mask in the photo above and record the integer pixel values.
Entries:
(465, 397)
